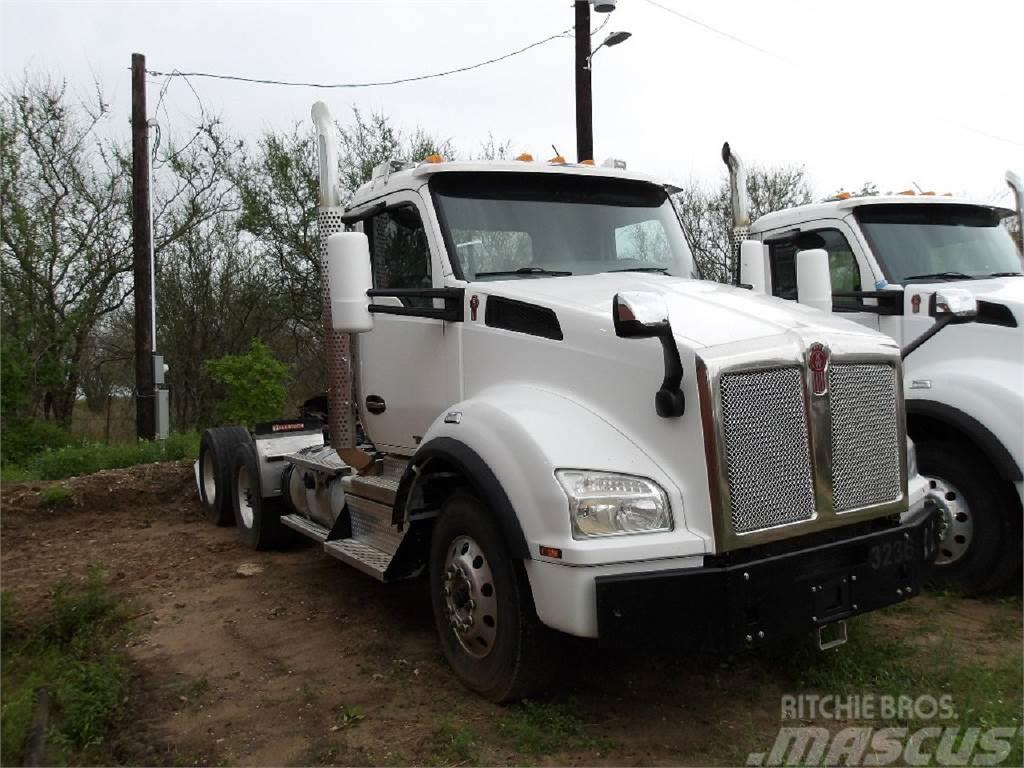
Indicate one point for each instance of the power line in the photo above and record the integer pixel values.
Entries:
(399, 81)
(798, 65)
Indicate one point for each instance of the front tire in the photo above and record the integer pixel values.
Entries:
(978, 549)
(258, 519)
(483, 608)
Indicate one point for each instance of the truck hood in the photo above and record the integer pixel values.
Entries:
(703, 314)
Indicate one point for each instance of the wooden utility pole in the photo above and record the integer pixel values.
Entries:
(145, 389)
(584, 105)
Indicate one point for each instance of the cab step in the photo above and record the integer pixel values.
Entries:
(365, 557)
(306, 527)
(381, 487)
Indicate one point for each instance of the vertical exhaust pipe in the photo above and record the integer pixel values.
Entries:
(337, 345)
(1017, 185)
(739, 203)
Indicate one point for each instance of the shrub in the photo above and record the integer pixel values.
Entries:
(253, 385)
(55, 496)
(85, 459)
(24, 438)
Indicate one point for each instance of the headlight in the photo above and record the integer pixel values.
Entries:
(911, 458)
(606, 504)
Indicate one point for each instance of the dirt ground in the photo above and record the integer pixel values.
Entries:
(311, 662)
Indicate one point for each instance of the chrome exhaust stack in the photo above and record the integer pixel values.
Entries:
(337, 345)
(739, 203)
(1017, 185)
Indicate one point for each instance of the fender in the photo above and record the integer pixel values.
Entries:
(977, 432)
(510, 439)
(480, 476)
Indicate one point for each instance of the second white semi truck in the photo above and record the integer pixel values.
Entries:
(888, 256)
(569, 433)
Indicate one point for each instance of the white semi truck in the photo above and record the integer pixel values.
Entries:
(964, 388)
(569, 433)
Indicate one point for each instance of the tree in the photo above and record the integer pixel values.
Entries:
(66, 242)
(707, 219)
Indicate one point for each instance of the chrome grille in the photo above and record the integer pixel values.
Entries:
(767, 452)
(865, 438)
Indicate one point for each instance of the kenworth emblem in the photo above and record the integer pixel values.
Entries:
(817, 361)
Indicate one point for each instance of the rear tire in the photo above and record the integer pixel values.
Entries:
(483, 607)
(258, 519)
(216, 451)
(979, 548)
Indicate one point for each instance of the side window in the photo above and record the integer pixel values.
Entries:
(843, 266)
(842, 263)
(782, 261)
(399, 254)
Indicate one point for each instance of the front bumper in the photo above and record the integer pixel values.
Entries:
(760, 597)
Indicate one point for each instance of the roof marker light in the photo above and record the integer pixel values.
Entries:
(843, 196)
(907, 192)
(557, 160)
(433, 159)
(585, 162)
(526, 157)
(928, 194)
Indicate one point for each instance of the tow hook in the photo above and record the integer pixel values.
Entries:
(831, 635)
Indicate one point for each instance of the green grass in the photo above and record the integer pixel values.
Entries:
(74, 652)
(876, 661)
(87, 458)
(544, 728)
(454, 744)
(55, 496)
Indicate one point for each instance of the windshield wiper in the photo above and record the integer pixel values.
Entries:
(1004, 274)
(641, 269)
(940, 276)
(525, 271)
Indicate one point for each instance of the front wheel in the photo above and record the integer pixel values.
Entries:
(483, 608)
(978, 550)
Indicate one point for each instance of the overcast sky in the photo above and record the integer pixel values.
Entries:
(892, 91)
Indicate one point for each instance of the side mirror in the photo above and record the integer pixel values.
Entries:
(644, 315)
(348, 280)
(813, 279)
(754, 266)
(957, 304)
(639, 315)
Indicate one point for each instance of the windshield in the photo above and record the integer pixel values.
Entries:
(504, 226)
(938, 242)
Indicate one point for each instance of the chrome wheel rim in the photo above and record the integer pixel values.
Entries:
(956, 523)
(470, 598)
(245, 497)
(209, 479)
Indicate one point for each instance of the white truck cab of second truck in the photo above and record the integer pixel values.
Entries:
(888, 255)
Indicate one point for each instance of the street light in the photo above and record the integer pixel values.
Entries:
(584, 106)
(613, 38)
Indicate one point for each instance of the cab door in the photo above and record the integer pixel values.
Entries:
(850, 272)
(404, 374)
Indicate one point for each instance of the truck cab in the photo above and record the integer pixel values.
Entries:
(887, 257)
(566, 432)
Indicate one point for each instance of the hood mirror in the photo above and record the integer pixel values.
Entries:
(957, 304)
(644, 315)
(639, 315)
(949, 306)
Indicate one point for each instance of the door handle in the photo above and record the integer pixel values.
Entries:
(375, 404)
